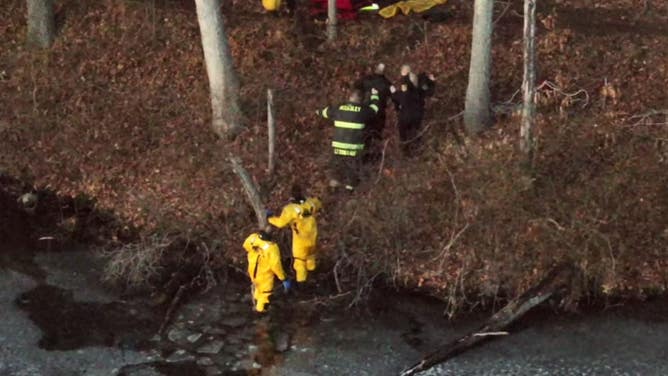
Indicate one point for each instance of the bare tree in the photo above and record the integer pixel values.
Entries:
(477, 114)
(226, 120)
(529, 80)
(41, 23)
(331, 20)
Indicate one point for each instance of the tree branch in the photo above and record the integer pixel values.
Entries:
(252, 191)
(554, 284)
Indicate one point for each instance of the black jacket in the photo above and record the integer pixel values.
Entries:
(378, 82)
(410, 100)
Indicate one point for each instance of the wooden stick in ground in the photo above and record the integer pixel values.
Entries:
(252, 191)
(331, 20)
(554, 284)
(271, 131)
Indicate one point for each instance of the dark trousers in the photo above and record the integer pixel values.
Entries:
(346, 169)
(409, 134)
(374, 138)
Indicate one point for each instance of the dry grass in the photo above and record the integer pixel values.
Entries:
(134, 264)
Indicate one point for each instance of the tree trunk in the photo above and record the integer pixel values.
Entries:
(226, 119)
(529, 81)
(41, 23)
(477, 114)
(331, 20)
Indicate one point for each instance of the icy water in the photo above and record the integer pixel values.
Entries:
(57, 320)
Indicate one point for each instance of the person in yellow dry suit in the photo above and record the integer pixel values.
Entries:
(264, 262)
(300, 215)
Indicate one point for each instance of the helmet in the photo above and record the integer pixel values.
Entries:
(264, 236)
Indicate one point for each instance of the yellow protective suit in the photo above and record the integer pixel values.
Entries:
(408, 6)
(264, 262)
(271, 5)
(301, 218)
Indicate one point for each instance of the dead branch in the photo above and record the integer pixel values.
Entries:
(554, 284)
(324, 300)
(382, 162)
(425, 129)
(271, 131)
(647, 118)
(252, 191)
(172, 309)
(503, 12)
(510, 106)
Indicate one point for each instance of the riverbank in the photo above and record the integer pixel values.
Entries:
(80, 327)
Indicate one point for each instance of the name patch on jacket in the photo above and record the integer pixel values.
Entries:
(349, 107)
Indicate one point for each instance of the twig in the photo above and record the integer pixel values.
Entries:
(557, 89)
(501, 107)
(642, 118)
(325, 299)
(453, 238)
(382, 162)
(503, 12)
(360, 291)
(487, 334)
(425, 129)
(172, 308)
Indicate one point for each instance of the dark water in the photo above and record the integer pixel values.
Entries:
(68, 325)
(81, 330)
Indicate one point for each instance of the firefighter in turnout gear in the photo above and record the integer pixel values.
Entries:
(375, 127)
(264, 262)
(300, 216)
(350, 120)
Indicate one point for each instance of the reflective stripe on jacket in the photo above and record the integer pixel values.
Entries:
(350, 119)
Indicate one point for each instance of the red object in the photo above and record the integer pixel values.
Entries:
(346, 9)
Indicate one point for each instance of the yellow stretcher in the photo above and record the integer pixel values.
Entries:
(408, 6)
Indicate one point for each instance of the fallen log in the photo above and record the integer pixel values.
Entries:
(556, 282)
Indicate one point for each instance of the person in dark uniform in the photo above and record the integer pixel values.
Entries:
(374, 130)
(409, 100)
(350, 120)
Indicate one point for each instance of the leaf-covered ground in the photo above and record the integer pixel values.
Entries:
(118, 110)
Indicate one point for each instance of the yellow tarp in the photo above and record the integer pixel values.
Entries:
(408, 6)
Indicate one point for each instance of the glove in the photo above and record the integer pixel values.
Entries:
(374, 91)
(393, 89)
(287, 284)
(268, 213)
(317, 112)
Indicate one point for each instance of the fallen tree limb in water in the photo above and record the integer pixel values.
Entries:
(556, 282)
